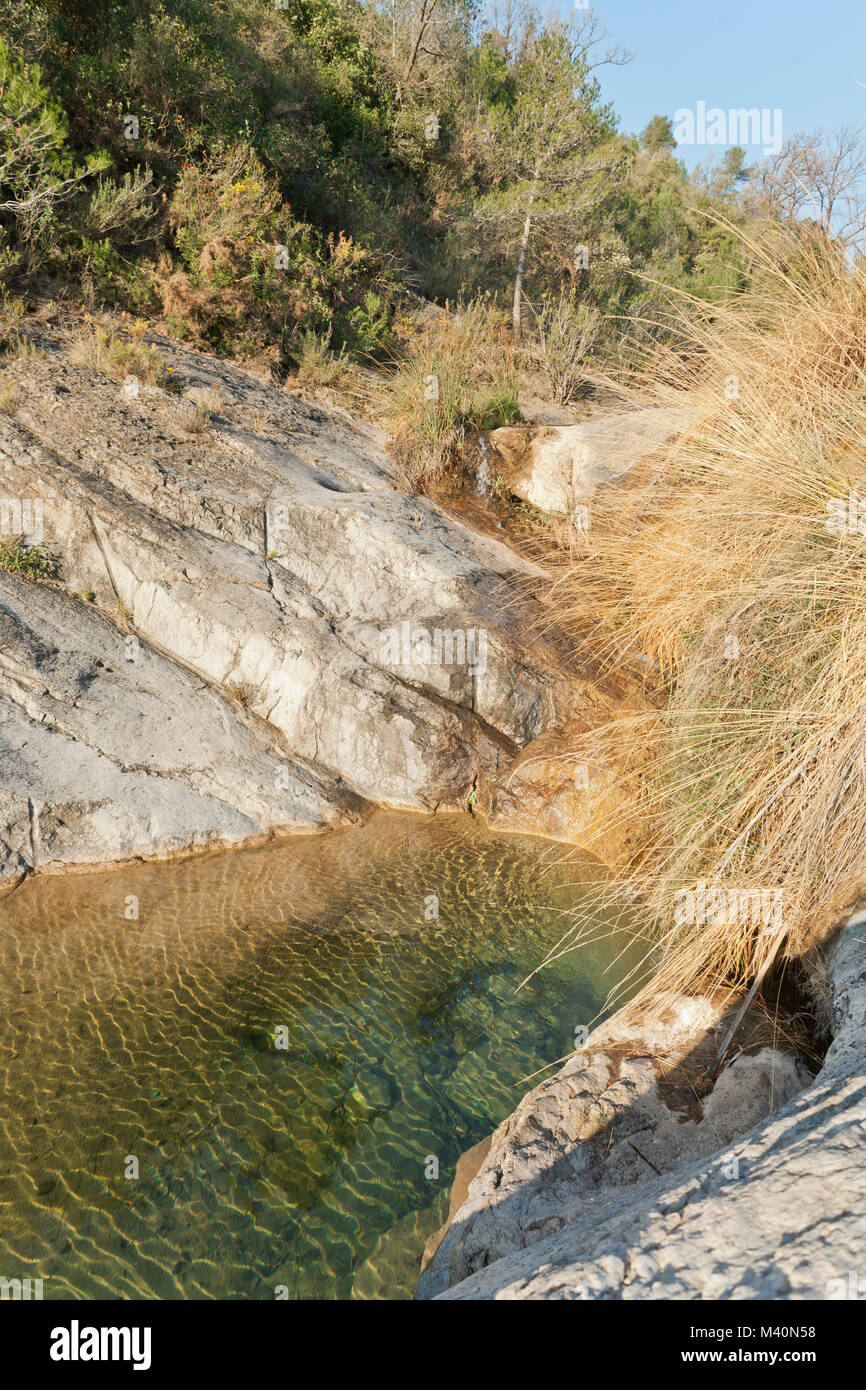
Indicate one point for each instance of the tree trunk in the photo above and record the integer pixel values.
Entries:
(521, 262)
(423, 20)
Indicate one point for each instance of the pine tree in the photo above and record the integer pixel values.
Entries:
(557, 147)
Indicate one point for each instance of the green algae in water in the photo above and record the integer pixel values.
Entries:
(280, 1044)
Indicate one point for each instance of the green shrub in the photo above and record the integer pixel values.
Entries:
(456, 377)
(249, 266)
(567, 331)
(29, 561)
(370, 323)
(38, 174)
(122, 210)
(317, 364)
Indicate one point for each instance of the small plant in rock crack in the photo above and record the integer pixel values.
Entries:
(198, 411)
(24, 348)
(29, 561)
(122, 614)
(9, 392)
(195, 418)
(260, 421)
(242, 693)
(211, 399)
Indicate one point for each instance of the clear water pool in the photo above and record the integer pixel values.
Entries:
(279, 1044)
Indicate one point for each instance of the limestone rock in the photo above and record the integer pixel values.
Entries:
(110, 751)
(468, 1165)
(546, 791)
(773, 1206)
(288, 599)
(555, 468)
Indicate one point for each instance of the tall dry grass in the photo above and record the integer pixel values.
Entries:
(729, 576)
(456, 376)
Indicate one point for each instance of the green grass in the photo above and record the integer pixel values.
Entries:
(29, 561)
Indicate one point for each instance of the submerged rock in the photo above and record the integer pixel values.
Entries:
(600, 1186)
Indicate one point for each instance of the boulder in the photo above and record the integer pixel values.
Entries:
(556, 468)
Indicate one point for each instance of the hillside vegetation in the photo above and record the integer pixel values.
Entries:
(256, 172)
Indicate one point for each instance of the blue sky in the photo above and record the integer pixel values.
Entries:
(802, 56)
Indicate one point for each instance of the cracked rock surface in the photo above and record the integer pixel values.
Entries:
(283, 595)
(105, 757)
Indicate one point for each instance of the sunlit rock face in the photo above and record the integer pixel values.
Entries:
(252, 628)
(558, 468)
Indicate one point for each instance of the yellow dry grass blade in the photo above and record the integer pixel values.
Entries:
(728, 575)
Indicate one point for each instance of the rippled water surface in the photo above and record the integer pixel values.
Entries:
(282, 1039)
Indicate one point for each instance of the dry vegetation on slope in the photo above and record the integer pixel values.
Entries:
(731, 572)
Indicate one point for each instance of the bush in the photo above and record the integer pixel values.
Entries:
(317, 364)
(98, 347)
(566, 332)
(37, 171)
(456, 377)
(121, 210)
(370, 323)
(250, 268)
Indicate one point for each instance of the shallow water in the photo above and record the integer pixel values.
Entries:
(301, 1158)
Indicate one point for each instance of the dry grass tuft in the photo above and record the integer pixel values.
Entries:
(730, 576)
(9, 396)
(98, 347)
